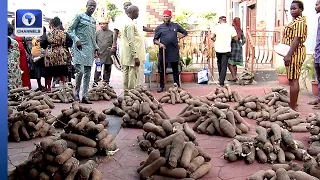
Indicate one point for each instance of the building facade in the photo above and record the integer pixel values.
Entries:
(265, 21)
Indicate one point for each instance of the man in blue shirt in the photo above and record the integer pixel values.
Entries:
(317, 59)
(166, 37)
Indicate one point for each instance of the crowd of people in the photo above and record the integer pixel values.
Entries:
(46, 57)
(49, 56)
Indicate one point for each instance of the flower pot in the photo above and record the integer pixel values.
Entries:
(186, 77)
(283, 80)
(315, 89)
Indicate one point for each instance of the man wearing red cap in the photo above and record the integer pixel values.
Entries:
(166, 37)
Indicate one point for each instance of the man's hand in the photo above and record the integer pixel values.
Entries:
(287, 60)
(79, 45)
(162, 46)
(96, 53)
(136, 62)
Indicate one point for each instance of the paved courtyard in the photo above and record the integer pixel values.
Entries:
(124, 163)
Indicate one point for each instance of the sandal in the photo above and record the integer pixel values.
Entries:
(315, 102)
(233, 80)
(316, 107)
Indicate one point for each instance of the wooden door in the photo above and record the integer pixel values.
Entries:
(251, 18)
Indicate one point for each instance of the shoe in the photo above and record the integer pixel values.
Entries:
(86, 100)
(160, 90)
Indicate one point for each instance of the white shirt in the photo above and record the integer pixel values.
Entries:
(224, 34)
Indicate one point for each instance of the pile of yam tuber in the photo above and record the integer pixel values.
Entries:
(273, 108)
(31, 117)
(219, 119)
(224, 94)
(85, 131)
(173, 152)
(175, 95)
(62, 94)
(292, 170)
(314, 129)
(78, 111)
(274, 144)
(102, 92)
(136, 108)
(52, 159)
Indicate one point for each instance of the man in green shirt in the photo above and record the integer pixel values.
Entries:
(82, 30)
(129, 51)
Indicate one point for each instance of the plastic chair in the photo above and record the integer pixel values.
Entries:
(148, 69)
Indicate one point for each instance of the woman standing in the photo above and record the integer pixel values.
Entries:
(14, 71)
(38, 70)
(57, 56)
(236, 58)
(294, 35)
(23, 57)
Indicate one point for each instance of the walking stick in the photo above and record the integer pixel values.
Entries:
(164, 68)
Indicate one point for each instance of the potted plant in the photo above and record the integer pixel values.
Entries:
(308, 72)
(282, 76)
(187, 72)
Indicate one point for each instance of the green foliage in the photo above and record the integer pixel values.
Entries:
(113, 11)
(281, 70)
(308, 72)
(209, 16)
(183, 19)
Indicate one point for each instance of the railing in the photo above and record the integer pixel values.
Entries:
(260, 49)
(198, 46)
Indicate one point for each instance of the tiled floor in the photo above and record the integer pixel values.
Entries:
(124, 163)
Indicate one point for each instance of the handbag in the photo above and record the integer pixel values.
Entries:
(282, 49)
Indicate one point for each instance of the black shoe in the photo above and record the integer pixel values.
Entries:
(86, 100)
(160, 90)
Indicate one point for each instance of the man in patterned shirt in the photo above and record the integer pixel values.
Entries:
(82, 30)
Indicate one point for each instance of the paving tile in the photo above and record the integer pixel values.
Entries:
(123, 165)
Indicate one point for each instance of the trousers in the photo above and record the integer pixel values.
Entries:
(317, 67)
(222, 62)
(130, 77)
(106, 73)
(141, 78)
(175, 72)
(85, 73)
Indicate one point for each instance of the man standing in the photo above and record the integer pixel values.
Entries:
(104, 40)
(317, 59)
(82, 30)
(222, 36)
(129, 52)
(140, 42)
(166, 37)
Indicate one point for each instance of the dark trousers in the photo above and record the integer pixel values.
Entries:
(317, 67)
(222, 61)
(106, 73)
(175, 72)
